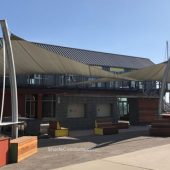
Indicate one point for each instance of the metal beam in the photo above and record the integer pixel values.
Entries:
(12, 75)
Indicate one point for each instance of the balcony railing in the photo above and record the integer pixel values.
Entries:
(54, 81)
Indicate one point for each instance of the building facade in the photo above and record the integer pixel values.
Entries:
(55, 97)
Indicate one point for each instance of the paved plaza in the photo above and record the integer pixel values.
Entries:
(82, 147)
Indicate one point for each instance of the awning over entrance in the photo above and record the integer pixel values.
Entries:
(32, 59)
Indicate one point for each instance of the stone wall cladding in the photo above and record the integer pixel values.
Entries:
(88, 121)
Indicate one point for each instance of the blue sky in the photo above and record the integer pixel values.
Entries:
(131, 27)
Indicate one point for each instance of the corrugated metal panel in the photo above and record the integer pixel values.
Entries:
(99, 58)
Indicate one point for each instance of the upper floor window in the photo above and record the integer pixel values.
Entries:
(35, 79)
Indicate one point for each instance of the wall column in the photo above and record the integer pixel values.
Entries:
(39, 106)
(115, 111)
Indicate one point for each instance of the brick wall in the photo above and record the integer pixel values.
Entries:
(148, 110)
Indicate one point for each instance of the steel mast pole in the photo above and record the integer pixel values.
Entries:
(12, 75)
(164, 81)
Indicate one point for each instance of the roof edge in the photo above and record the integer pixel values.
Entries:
(94, 51)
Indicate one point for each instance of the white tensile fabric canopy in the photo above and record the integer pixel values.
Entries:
(32, 59)
(151, 73)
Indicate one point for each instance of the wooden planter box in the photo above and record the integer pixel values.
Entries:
(4, 151)
(22, 148)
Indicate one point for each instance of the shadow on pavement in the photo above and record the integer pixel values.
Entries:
(100, 141)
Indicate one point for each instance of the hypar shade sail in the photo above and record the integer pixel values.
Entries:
(31, 59)
(151, 73)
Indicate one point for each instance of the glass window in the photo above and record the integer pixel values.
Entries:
(48, 105)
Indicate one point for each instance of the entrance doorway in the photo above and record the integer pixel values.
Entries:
(123, 109)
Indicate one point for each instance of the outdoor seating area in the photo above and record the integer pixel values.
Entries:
(51, 151)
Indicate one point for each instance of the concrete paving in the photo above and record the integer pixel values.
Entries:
(61, 152)
(100, 165)
(156, 158)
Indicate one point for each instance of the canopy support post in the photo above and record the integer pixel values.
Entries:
(4, 80)
(12, 74)
(163, 85)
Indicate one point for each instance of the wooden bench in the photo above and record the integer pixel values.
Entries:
(55, 129)
(160, 127)
(22, 148)
(104, 126)
(122, 125)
